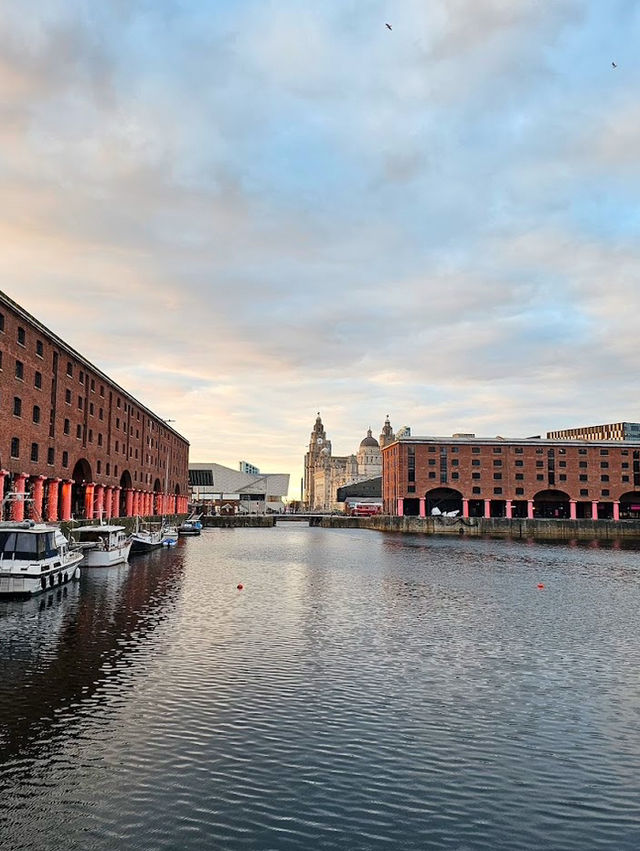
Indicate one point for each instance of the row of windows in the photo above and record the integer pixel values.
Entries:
(520, 491)
(519, 450)
(21, 337)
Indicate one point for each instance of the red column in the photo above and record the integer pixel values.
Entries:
(530, 509)
(594, 509)
(99, 501)
(52, 500)
(108, 502)
(136, 504)
(573, 512)
(616, 510)
(129, 503)
(88, 500)
(400, 507)
(423, 509)
(115, 511)
(67, 485)
(149, 503)
(465, 507)
(38, 494)
(17, 507)
(487, 508)
(508, 509)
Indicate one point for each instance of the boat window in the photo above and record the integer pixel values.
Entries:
(26, 545)
(91, 536)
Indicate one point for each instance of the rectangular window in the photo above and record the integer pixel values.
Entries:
(17, 406)
(65, 459)
(562, 463)
(475, 475)
(67, 396)
(39, 348)
(540, 477)
(497, 449)
(604, 451)
(582, 464)
(475, 450)
(102, 389)
(432, 474)
(582, 451)
(519, 450)
(519, 476)
(583, 477)
(605, 492)
(37, 380)
(91, 408)
(604, 478)
(19, 370)
(519, 491)
(99, 440)
(519, 463)
(539, 463)
(100, 413)
(78, 431)
(563, 477)
(625, 465)
(584, 492)
(79, 403)
(475, 462)
(69, 368)
(604, 465)
(50, 456)
(81, 377)
(36, 414)
(475, 490)
(497, 462)
(455, 475)
(34, 451)
(1, 321)
(497, 490)
(625, 478)
(67, 427)
(22, 337)
(497, 476)
(15, 447)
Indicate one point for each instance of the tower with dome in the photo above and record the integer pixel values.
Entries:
(324, 472)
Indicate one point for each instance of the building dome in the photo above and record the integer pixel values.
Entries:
(369, 440)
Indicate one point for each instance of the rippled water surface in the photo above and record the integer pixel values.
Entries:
(361, 692)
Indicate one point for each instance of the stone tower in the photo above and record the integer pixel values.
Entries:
(317, 443)
(387, 435)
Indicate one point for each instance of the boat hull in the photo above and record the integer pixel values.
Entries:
(21, 584)
(106, 558)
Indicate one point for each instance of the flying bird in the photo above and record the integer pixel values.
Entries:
(388, 26)
(613, 65)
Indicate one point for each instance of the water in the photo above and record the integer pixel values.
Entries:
(362, 692)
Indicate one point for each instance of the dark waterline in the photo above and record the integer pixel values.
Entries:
(362, 692)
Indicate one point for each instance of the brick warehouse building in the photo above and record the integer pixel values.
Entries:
(75, 441)
(512, 478)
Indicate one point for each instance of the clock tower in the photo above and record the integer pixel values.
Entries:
(319, 447)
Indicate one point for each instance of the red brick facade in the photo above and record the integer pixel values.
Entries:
(73, 438)
(511, 478)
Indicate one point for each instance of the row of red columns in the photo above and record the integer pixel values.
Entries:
(509, 506)
(100, 501)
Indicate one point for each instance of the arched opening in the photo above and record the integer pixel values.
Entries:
(551, 504)
(157, 489)
(442, 501)
(82, 475)
(125, 485)
(630, 506)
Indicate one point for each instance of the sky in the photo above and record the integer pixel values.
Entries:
(249, 211)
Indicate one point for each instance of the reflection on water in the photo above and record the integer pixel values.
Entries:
(363, 691)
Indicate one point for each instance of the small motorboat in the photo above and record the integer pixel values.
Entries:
(35, 557)
(189, 527)
(102, 546)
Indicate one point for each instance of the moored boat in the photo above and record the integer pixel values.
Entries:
(189, 528)
(34, 557)
(102, 546)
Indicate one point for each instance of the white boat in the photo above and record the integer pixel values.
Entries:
(35, 557)
(189, 528)
(102, 546)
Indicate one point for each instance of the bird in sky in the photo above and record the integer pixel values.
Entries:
(388, 26)
(613, 65)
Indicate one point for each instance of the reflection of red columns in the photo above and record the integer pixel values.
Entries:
(573, 512)
(487, 508)
(423, 509)
(88, 500)
(115, 511)
(67, 486)
(508, 511)
(400, 507)
(530, 509)
(38, 493)
(108, 501)
(594, 509)
(17, 507)
(616, 510)
(465, 507)
(99, 501)
(128, 511)
(52, 500)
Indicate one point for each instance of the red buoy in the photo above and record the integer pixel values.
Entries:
(540, 585)
(240, 586)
